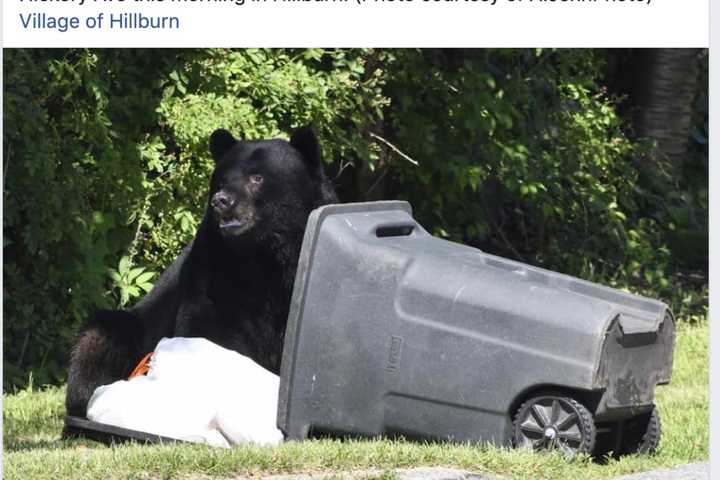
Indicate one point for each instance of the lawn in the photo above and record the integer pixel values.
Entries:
(33, 419)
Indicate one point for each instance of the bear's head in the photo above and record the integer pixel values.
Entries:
(265, 188)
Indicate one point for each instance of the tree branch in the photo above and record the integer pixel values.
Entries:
(394, 149)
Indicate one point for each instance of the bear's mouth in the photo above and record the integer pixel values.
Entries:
(234, 226)
(232, 223)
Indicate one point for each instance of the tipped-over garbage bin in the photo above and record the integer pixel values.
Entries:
(394, 332)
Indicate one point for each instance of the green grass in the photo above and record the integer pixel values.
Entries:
(33, 419)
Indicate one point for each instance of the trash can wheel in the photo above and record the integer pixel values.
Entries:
(554, 421)
(642, 433)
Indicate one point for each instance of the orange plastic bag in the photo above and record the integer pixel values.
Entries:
(142, 367)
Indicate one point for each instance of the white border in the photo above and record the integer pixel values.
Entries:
(714, 185)
(2, 214)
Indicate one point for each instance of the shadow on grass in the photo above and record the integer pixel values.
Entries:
(49, 444)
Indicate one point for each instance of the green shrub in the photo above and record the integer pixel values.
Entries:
(72, 175)
(526, 157)
(107, 167)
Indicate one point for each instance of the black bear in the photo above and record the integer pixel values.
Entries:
(233, 283)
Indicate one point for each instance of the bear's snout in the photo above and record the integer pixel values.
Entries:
(233, 214)
(223, 202)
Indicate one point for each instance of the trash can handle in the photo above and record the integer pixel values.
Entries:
(402, 229)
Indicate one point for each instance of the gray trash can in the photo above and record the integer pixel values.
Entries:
(394, 332)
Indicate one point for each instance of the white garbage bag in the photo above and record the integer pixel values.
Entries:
(195, 391)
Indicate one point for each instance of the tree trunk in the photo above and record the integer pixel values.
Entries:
(662, 93)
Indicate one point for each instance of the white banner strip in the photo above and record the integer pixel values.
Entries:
(344, 23)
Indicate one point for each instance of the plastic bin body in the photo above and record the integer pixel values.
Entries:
(395, 332)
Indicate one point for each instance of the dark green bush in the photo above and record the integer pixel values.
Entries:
(527, 158)
(518, 152)
(106, 168)
(72, 124)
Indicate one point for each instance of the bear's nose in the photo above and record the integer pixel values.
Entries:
(222, 201)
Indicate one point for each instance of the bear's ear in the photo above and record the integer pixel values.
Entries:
(305, 141)
(220, 142)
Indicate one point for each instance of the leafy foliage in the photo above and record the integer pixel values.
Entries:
(527, 158)
(130, 282)
(72, 176)
(519, 152)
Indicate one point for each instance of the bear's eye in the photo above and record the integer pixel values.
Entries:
(256, 178)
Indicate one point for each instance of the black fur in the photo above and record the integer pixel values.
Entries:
(233, 283)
